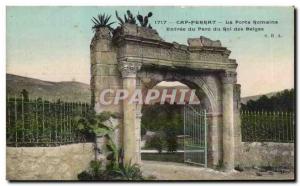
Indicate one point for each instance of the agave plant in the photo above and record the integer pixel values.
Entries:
(128, 172)
(102, 20)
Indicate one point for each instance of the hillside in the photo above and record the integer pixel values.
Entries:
(244, 100)
(66, 90)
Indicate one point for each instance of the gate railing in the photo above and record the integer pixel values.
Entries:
(38, 122)
(267, 126)
(195, 135)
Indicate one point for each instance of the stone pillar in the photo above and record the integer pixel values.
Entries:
(228, 79)
(104, 75)
(214, 141)
(138, 135)
(129, 70)
(237, 124)
(138, 126)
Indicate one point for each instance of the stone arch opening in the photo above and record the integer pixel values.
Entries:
(204, 93)
(164, 122)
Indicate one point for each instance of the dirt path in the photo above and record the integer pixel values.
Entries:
(178, 171)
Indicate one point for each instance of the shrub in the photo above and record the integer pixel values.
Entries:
(121, 172)
(156, 142)
(84, 176)
(93, 125)
(143, 130)
(128, 172)
(95, 172)
(171, 139)
(116, 169)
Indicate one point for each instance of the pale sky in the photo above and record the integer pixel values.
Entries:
(52, 43)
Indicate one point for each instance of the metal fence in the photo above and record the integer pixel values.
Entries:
(38, 122)
(267, 126)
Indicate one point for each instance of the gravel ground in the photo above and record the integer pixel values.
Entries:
(179, 171)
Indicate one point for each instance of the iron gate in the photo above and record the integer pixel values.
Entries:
(195, 138)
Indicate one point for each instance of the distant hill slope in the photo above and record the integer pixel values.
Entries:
(65, 90)
(244, 100)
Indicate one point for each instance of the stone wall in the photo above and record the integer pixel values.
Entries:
(265, 154)
(48, 163)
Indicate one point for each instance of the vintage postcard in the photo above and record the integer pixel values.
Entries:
(150, 93)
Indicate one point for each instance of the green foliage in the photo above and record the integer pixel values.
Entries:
(129, 18)
(282, 101)
(143, 130)
(144, 20)
(128, 172)
(220, 165)
(156, 142)
(116, 169)
(123, 172)
(95, 172)
(269, 119)
(239, 168)
(161, 117)
(25, 95)
(115, 155)
(93, 124)
(101, 21)
(267, 126)
(41, 122)
(85, 175)
(167, 121)
(171, 140)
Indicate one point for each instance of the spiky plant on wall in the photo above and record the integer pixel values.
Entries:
(127, 19)
(102, 20)
(144, 20)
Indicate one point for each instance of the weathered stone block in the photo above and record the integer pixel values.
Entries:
(105, 70)
(266, 154)
(106, 57)
(203, 41)
(103, 45)
(48, 163)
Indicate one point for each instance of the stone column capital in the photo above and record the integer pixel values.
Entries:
(229, 77)
(129, 69)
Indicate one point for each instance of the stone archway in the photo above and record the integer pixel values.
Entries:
(136, 56)
(149, 78)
